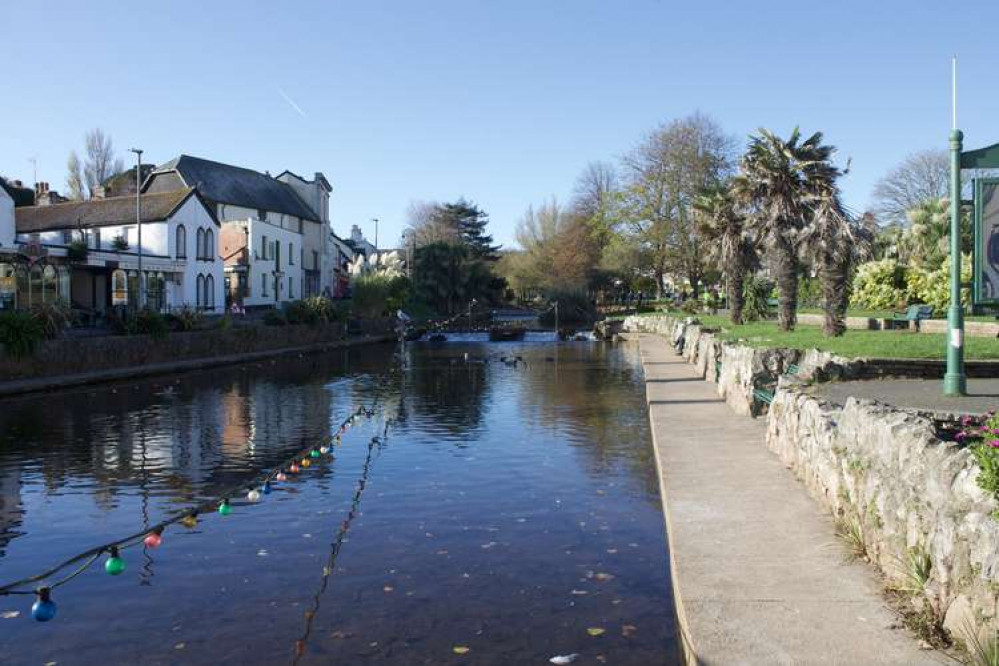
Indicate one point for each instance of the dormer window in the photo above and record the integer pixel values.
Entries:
(262, 214)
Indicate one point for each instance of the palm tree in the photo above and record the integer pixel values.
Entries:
(722, 225)
(831, 242)
(777, 182)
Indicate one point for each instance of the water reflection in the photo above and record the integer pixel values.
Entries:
(514, 508)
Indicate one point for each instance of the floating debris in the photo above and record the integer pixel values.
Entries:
(596, 631)
(561, 659)
(461, 649)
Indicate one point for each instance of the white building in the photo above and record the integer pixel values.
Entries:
(275, 244)
(318, 254)
(87, 253)
(6, 222)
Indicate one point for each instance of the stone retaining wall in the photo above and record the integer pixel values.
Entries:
(882, 471)
(79, 355)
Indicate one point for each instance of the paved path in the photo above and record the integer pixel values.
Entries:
(758, 573)
(924, 395)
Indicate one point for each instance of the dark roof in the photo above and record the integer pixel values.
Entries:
(100, 212)
(320, 177)
(22, 196)
(224, 183)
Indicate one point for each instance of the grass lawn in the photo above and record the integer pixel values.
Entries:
(887, 314)
(852, 344)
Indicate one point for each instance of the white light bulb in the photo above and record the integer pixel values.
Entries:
(253, 495)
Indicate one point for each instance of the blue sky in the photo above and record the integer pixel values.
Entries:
(503, 102)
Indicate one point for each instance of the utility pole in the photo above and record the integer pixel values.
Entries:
(556, 320)
(955, 380)
(138, 221)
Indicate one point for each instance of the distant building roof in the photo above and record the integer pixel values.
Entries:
(224, 183)
(100, 212)
(22, 196)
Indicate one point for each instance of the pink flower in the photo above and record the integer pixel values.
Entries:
(994, 443)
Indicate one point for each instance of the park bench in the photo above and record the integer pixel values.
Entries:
(914, 313)
(765, 394)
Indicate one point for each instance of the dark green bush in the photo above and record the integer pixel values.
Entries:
(76, 251)
(54, 318)
(274, 318)
(20, 333)
(186, 318)
(313, 310)
(755, 292)
(144, 322)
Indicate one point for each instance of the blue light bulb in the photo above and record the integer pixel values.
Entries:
(44, 609)
(267, 487)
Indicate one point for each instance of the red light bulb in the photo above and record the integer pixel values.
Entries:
(153, 539)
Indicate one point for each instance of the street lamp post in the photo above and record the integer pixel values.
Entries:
(138, 221)
(955, 381)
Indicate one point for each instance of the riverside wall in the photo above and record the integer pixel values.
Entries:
(885, 473)
(111, 357)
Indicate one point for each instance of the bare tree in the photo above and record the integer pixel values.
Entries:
(74, 177)
(594, 199)
(100, 162)
(664, 174)
(919, 177)
(425, 224)
(558, 252)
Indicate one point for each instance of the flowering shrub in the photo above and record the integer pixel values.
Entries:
(879, 285)
(933, 287)
(982, 437)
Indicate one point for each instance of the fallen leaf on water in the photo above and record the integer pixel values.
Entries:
(604, 576)
(612, 551)
(341, 634)
(460, 649)
(180, 646)
(388, 588)
(628, 630)
(561, 659)
(7, 615)
(488, 545)
(442, 551)
(579, 592)
(595, 631)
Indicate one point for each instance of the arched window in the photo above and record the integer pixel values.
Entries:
(209, 245)
(199, 250)
(200, 289)
(210, 292)
(181, 242)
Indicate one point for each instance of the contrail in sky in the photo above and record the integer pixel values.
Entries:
(292, 103)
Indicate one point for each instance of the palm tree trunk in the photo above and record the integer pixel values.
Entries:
(787, 283)
(834, 297)
(736, 298)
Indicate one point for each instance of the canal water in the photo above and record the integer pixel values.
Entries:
(511, 514)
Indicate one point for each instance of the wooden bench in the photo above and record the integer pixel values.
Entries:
(914, 313)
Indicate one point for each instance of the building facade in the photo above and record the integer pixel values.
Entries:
(275, 245)
(86, 254)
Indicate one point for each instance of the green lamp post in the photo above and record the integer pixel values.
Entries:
(955, 381)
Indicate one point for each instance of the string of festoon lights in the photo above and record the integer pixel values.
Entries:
(336, 545)
(44, 608)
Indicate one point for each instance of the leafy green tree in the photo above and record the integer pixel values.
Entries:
(723, 227)
(778, 181)
(449, 275)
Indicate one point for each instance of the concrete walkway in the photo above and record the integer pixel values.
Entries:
(918, 394)
(758, 574)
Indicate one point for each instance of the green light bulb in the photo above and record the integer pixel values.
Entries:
(114, 565)
(224, 508)
(314, 453)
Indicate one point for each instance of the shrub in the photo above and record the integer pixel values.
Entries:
(54, 318)
(378, 295)
(119, 244)
(20, 333)
(274, 318)
(755, 293)
(313, 310)
(144, 322)
(152, 323)
(810, 292)
(188, 318)
(932, 287)
(76, 251)
(690, 306)
(982, 437)
(879, 285)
